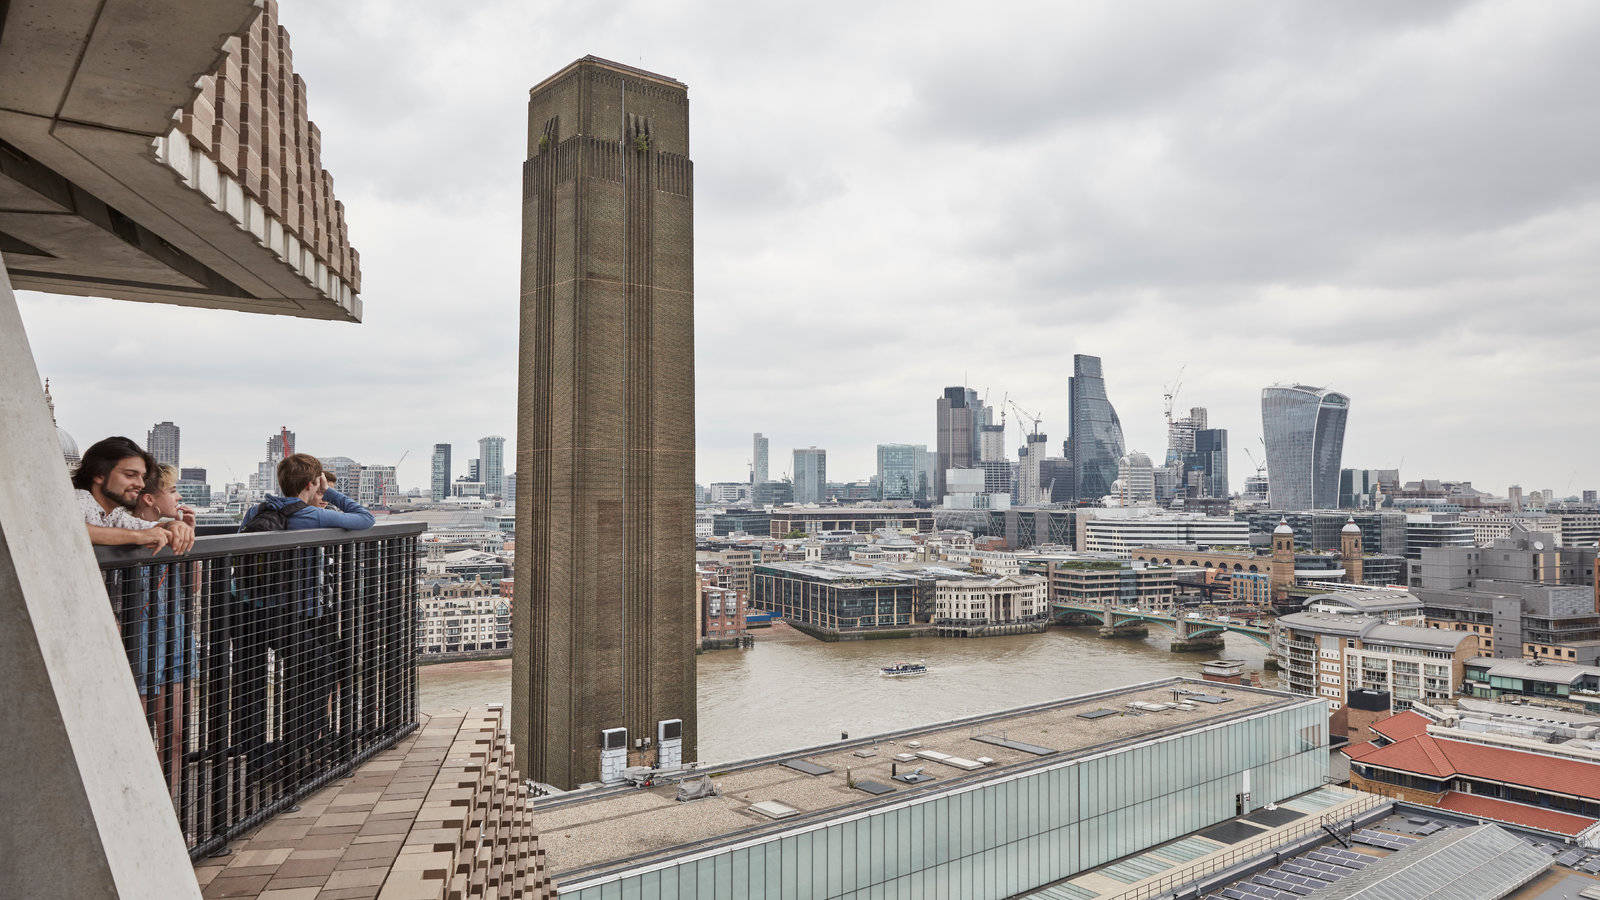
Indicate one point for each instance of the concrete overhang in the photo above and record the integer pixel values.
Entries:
(124, 174)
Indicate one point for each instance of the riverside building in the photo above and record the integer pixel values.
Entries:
(984, 807)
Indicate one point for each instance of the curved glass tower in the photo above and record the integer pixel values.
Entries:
(1094, 436)
(1303, 428)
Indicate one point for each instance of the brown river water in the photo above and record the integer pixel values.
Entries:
(791, 691)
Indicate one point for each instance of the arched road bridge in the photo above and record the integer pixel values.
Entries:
(1191, 634)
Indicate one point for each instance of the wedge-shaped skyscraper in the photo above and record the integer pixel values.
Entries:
(604, 621)
(1094, 437)
(1303, 428)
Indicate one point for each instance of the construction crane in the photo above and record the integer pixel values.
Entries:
(1169, 393)
(1259, 465)
(1026, 416)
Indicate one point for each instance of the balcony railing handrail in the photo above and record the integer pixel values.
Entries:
(215, 546)
(268, 664)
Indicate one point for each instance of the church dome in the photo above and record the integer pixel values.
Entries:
(69, 447)
(1350, 527)
(1283, 527)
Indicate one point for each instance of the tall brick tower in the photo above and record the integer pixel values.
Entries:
(1282, 577)
(1350, 549)
(604, 620)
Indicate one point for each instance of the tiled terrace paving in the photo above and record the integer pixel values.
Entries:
(441, 814)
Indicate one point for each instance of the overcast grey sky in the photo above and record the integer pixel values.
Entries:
(1397, 200)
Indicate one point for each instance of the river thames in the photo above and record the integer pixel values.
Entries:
(791, 691)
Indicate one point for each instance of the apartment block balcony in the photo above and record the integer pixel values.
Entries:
(268, 664)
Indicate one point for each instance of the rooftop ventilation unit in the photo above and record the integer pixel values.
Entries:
(772, 809)
(613, 755)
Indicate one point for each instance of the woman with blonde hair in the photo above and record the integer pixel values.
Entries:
(163, 649)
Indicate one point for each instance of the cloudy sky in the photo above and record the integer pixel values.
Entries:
(1401, 201)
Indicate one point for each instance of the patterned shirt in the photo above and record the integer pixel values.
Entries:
(119, 517)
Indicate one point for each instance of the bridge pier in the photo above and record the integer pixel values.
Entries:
(1131, 630)
(1270, 664)
(1210, 643)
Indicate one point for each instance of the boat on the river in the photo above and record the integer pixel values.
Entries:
(903, 670)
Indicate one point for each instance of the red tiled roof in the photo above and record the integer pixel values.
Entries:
(1515, 813)
(1426, 755)
(1400, 726)
(1357, 751)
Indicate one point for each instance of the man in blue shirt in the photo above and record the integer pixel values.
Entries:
(308, 501)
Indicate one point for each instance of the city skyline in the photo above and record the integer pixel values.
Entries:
(1324, 270)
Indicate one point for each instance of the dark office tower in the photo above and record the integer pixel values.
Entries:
(1094, 435)
(1303, 428)
(162, 442)
(604, 621)
(439, 487)
(959, 417)
(1206, 466)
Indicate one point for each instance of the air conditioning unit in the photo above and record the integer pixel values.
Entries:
(613, 755)
(669, 743)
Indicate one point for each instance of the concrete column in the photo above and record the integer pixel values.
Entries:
(87, 813)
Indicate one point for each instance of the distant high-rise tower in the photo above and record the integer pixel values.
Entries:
(279, 446)
(1136, 479)
(1181, 432)
(758, 459)
(810, 475)
(1514, 496)
(439, 487)
(1303, 428)
(1032, 490)
(1094, 437)
(901, 472)
(1205, 465)
(162, 442)
(959, 416)
(492, 465)
(603, 622)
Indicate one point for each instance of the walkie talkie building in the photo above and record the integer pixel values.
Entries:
(1303, 428)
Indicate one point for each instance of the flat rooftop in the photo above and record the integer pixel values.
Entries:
(589, 833)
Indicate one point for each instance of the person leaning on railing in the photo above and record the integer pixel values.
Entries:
(288, 604)
(162, 648)
(108, 482)
(306, 501)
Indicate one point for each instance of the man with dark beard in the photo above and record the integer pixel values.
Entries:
(108, 483)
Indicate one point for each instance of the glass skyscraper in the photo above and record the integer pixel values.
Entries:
(491, 465)
(1207, 463)
(439, 485)
(810, 475)
(758, 459)
(1304, 433)
(1094, 437)
(902, 471)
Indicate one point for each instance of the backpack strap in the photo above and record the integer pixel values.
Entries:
(289, 509)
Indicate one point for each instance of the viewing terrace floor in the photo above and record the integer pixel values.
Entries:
(437, 815)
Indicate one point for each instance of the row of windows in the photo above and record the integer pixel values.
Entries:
(1001, 839)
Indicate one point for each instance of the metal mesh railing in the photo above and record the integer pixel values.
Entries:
(268, 664)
